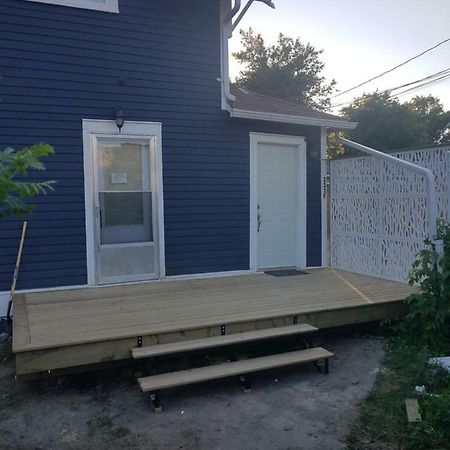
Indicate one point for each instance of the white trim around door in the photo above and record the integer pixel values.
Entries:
(256, 139)
(100, 129)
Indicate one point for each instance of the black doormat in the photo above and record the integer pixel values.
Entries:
(285, 273)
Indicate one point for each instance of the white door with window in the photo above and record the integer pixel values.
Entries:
(279, 201)
(125, 208)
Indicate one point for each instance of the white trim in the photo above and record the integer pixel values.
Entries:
(300, 143)
(225, 34)
(111, 6)
(131, 129)
(324, 194)
(199, 276)
(285, 118)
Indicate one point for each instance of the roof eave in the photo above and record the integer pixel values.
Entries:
(299, 120)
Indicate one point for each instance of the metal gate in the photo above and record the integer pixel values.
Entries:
(378, 217)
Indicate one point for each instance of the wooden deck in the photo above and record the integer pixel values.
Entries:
(70, 328)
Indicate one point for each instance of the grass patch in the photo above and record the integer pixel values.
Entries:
(382, 424)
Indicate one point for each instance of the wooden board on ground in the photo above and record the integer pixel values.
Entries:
(412, 410)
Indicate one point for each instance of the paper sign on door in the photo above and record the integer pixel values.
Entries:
(119, 178)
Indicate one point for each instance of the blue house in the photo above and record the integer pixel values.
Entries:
(176, 192)
(202, 177)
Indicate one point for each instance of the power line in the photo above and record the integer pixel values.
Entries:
(427, 83)
(392, 69)
(444, 72)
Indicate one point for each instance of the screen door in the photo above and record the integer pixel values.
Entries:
(125, 210)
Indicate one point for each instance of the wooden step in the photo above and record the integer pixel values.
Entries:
(180, 378)
(217, 341)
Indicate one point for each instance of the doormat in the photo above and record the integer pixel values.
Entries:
(286, 273)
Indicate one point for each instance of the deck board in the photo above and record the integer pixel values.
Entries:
(71, 317)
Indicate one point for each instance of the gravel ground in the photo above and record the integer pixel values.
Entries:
(295, 408)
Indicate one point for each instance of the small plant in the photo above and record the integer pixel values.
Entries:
(428, 318)
(14, 164)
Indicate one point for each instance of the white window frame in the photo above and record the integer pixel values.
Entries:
(111, 6)
(300, 143)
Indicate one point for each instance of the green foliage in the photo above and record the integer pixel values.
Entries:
(434, 120)
(428, 318)
(423, 333)
(386, 124)
(14, 192)
(434, 430)
(382, 423)
(288, 70)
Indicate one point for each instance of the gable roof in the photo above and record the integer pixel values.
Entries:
(251, 105)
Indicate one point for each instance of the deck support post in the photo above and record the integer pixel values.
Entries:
(246, 384)
(156, 402)
(324, 368)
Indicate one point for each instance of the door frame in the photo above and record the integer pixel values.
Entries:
(92, 130)
(300, 143)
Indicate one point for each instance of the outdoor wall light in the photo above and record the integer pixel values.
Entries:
(119, 118)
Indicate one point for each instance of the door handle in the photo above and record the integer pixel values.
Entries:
(259, 222)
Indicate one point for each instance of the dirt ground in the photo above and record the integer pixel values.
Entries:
(295, 408)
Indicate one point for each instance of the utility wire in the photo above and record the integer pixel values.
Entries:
(444, 72)
(392, 69)
(427, 83)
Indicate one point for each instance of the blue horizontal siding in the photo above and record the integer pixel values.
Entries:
(158, 61)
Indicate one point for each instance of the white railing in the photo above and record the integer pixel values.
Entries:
(381, 208)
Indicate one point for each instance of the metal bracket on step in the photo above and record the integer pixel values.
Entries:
(139, 341)
(246, 384)
(295, 320)
(222, 330)
(156, 403)
(306, 342)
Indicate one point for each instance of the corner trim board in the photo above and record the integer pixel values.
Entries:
(324, 195)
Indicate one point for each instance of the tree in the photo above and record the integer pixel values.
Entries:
(288, 70)
(436, 121)
(386, 124)
(14, 192)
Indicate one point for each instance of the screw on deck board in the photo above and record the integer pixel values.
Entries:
(139, 341)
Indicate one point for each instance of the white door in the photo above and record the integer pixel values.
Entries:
(281, 208)
(125, 209)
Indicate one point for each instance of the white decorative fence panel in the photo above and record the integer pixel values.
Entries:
(379, 214)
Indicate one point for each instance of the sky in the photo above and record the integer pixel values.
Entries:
(362, 38)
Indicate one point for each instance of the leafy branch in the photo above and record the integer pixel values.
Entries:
(14, 192)
(428, 319)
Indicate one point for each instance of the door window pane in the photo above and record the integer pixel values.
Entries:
(124, 165)
(125, 197)
(125, 217)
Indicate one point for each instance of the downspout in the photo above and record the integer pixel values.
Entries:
(234, 10)
(227, 31)
(429, 177)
